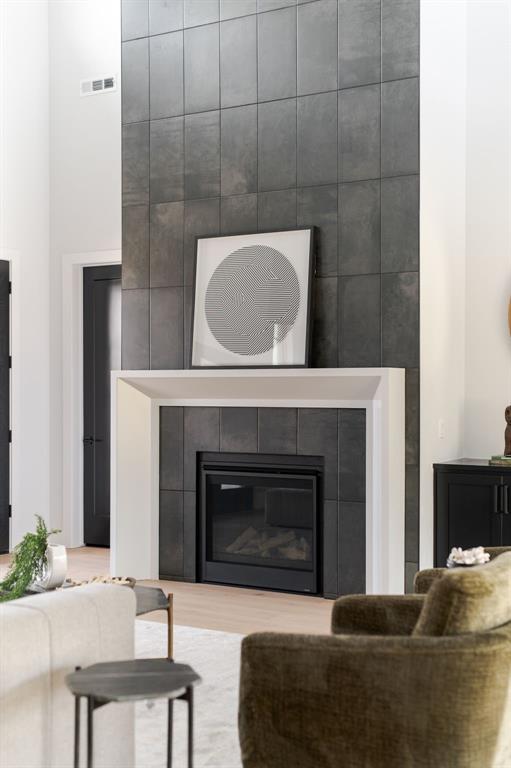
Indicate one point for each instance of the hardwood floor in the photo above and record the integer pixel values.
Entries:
(228, 609)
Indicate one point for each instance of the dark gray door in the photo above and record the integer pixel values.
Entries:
(101, 354)
(4, 406)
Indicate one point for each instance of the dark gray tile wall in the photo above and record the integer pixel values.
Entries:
(246, 115)
(339, 436)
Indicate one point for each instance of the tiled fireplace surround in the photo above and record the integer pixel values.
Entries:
(324, 94)
(339, 436)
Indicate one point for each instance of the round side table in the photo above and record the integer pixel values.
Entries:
(135, 680)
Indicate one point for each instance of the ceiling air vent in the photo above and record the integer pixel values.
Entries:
(98, 85)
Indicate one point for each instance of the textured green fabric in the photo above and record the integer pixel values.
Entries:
(468, 600)
(376, 615)
(376, 702)
(386, 701)
(425, 578)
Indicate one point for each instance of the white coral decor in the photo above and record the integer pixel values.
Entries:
(474, 556)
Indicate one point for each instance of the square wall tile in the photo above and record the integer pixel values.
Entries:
(359, 133)
(135, 164)
(166, 86)
(317, 436)
(412, 428)
(317, 139)
(190, 536)
(317, 47)
(238, 430)
(359, 321)
(135, 246)
(188, 299)
(135, 329)
(134, 18)
(167, 172)
(271, 5)
(276, 210)
(171, 448)
(201, 12)
(352, 548)
(359, 42)
(238, 152)
(276, 36)
(412, 514)
(277, 145)
(202, 155)
(318, 206)
(352, 454)
(400, 320)
(135, 81)
(202, 433)
(202, 218)
(359, 228)
(166, 328)
(325, 325)
(202, 70)
(165, 16)
(400, 224)
(277, 430)
(171, 534)
(230, 9)
(400, 39)
(167, 221)
(238, 214)
(400, 127)
(330, 549)
(238, 61)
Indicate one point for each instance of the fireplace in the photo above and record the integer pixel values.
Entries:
(259, 520)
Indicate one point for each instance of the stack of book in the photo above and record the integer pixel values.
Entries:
(500, 461)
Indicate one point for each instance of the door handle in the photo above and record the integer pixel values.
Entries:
(506, 495)
(91, 440)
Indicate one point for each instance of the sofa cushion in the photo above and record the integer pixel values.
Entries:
(466, 600)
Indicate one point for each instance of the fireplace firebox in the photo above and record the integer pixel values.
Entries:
(259, 520)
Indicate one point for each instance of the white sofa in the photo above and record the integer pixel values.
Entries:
(42, 639)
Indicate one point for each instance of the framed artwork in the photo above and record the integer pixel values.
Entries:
(252, 300)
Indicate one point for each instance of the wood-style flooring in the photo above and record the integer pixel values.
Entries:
(227, 609)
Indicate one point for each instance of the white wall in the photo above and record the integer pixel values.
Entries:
(442, 262)
(85, 172)
(24, 237)
(488, 248)
(465, 235)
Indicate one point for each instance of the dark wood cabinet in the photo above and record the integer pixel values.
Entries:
(472, 506)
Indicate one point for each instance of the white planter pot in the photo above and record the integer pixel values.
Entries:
(55, 571)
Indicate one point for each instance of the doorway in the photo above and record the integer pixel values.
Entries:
(101, 355)
(5, 469)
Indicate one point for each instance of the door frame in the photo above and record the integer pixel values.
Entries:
(13, 257)
(72, 386)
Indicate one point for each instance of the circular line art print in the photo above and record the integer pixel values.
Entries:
(252, 300)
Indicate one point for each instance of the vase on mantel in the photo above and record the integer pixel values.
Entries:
(55, 571)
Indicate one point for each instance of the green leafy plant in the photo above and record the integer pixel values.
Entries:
(28, 561)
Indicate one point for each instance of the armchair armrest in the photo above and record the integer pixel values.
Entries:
(330, 701)
(376, 614)
(424, 579)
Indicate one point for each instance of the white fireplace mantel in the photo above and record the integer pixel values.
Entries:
(138, 395)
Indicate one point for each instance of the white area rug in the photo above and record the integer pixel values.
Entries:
(215, 656)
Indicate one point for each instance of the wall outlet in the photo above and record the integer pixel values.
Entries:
(441, 429)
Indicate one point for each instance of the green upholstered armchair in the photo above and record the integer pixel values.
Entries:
(418, 681)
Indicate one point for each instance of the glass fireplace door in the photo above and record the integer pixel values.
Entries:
(259, 529)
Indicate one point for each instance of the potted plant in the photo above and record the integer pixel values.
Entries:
(34, 562)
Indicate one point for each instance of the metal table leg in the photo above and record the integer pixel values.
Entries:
(77, 733)
(170, 626)
(189, 698)
(169, 733)
(90, 733)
